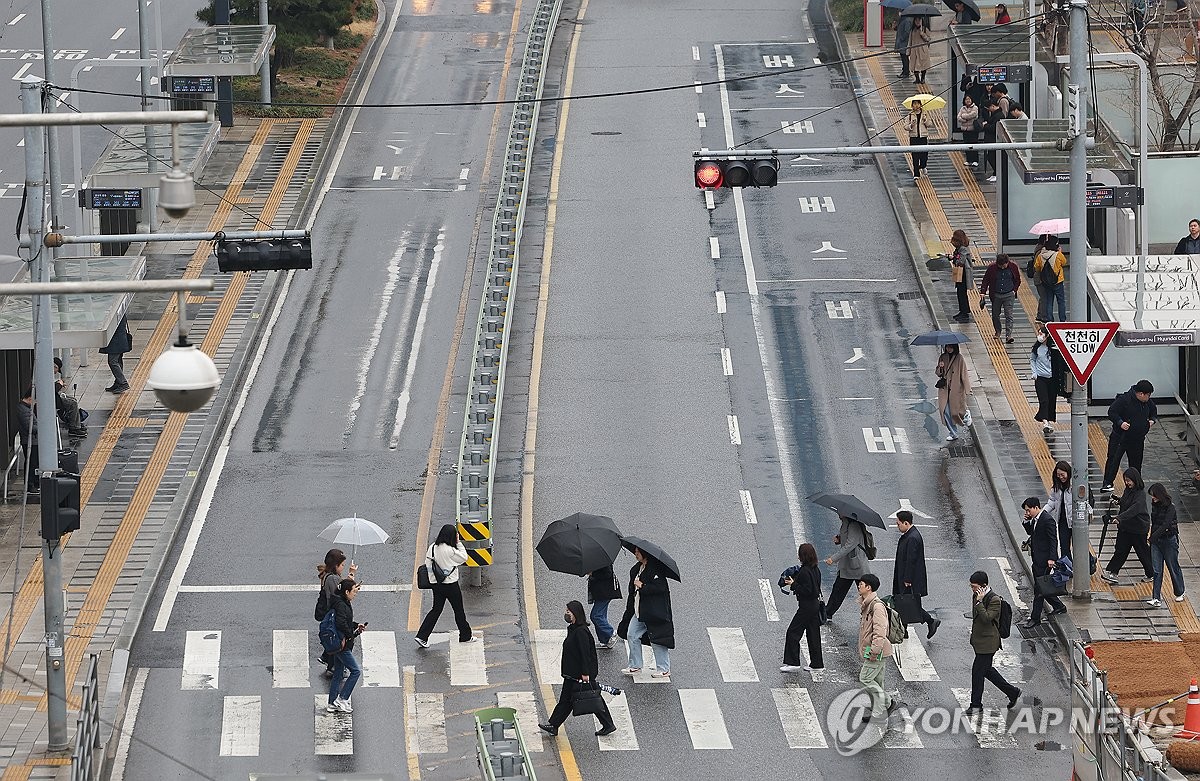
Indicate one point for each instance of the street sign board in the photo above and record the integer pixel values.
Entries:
(1082, 344)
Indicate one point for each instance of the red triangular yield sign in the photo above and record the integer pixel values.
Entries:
(1082, 344)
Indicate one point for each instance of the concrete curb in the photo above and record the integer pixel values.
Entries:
(1064, 628)
(115, 698)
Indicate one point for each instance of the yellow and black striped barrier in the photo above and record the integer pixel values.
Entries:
(474, 531)
(479, 557)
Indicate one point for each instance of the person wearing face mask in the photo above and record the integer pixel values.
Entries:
(1043, 381)
(579, 666)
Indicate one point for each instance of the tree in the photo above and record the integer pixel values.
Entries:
(298, 23)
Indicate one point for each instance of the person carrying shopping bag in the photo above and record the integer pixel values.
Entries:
(579, 669)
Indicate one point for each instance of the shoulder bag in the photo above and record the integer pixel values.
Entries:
(587, 700)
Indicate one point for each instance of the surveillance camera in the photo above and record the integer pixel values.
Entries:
(176, 193)
(184, 378)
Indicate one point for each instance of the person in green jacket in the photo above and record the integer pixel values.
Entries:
(985, 640)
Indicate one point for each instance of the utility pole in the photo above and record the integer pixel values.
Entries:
(224, 83)
(151, 146)
(264, 73)
(1077, 101)
(47, 424)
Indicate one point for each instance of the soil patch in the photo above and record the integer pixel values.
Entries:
(1142, 673)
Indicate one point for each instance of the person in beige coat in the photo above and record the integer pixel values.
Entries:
(953, 385)
(873, 646)
(918, 49)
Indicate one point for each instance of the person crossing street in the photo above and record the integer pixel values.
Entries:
(910, 576)
(986, 641)
(874, 648)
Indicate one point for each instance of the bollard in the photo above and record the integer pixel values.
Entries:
(506, 764)
(497, 726)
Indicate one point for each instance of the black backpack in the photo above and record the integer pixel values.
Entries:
(1005, 622)
(868, 545)
(1048, 276)
(322, 601)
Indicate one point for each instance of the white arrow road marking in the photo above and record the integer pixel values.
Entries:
(858, 356)
(905, 504)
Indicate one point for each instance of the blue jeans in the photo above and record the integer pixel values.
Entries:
(339, 689)
(1166, 551)
(1060, 295)
(604, 630)
(662, 654)
(948, 419)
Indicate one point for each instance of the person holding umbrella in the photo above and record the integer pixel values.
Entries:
(602, 588)
(587, 545)
(579, 666)
(851, 561)
(900, 46)
(648, 612)
(953, 385)
(918, 49)
(918, 134)
(443, 559)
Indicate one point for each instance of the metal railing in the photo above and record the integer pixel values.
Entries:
(1109, 744)
(485, 395)
(85, 757)
(502, 752)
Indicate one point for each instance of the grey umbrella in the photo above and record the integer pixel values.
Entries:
(940, 338)
(972, 9)
(921, 9)
(847, 506)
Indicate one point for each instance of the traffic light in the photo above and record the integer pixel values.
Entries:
(713, 174)
(263, 255)
(60, 505)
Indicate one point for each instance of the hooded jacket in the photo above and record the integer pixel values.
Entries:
(1127, 408)
(1164, 521)
(1134, 513)
(1054, 257)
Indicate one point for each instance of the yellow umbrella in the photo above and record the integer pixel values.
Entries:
(928, 102)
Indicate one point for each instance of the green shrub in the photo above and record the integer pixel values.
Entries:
(348, 40)
(847, 14)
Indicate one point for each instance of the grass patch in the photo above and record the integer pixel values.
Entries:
(349, 40)
(316, 78)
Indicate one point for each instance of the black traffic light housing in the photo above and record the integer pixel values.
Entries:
(711, 173)
(60, 505)
(263, 255)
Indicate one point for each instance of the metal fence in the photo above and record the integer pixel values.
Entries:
(1109, 745)
(85, 758)
(485, 395)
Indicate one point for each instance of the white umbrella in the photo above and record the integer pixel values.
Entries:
(354, 531)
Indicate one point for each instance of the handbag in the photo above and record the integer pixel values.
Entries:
(423, 581)
(941, 383)
(1047, 586)
(587, 700)
(956, 273)
(908, 606)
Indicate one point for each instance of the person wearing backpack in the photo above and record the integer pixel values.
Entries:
(851, 559)
(874, 648)
(330, 575)
(1048, 266)
(342, 685)
(443, 559)
(988, 627)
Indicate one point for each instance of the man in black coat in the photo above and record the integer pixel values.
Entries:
(1132, 413)
(1044, 552)
(909, 575)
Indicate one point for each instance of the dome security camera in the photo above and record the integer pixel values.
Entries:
(176, 193)
(184, 378)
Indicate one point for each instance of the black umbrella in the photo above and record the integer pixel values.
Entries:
(848, 506)
(654, 552)
(940, 338)
(921, 9)
(580, 543)
(971, 8)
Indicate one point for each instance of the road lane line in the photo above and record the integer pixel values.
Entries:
(201, 660)
(410, 371)
(381, 663)
(722, 307)
(624, 739)
(410, 722)
(735, 431)
(367, 360)
(547, 648)
(710, 201)
(726, 362)
(696, 53)
(700, 120)
(120, 31)
(768, 598)
(702, 714)
(904, 734)
(1006, 572)
(20, 75)
(525, 704)
(467, 664)
(16, 19)
(801, 724)
(241, 722)
(699, 87)
(714, 248)
(733, 654)
(333, 734)
(129, 723)
(290, 659)
(915, 664)
(748, 506)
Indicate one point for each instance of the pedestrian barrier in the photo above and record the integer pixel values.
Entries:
(502, 752)
(485, 393)
(1110, 745)
(87, 728)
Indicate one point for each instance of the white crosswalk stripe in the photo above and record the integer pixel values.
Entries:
(467, 663)
(801, 724)
(702, 714)
(380, 662)
(989, 727)
(241, 720)
(624, 739)
(427, 714)
(913, 661)
(733, 655)
(547, 647)
(334, 732)
(201, 660)
(290, 659)
(525, 704)
(902, 731)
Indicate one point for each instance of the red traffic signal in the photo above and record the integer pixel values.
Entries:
(713, 174)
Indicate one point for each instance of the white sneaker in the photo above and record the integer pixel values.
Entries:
(604, 646)
(343, 706)
(1180, 598)
(974, 165)
(1154, 602)
(1047, 428)
(332, 707)
(991, 178)
(630, 670)
(791, 668)
(661, 674)
(951, 438)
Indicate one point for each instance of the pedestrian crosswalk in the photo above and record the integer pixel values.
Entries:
(802, 703)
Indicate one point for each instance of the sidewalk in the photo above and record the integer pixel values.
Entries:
(1018, 457)
(139, 463)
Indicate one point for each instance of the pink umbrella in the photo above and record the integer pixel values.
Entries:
(1056, 227)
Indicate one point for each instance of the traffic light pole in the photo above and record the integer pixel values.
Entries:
(1077, 101)
(1061, 144)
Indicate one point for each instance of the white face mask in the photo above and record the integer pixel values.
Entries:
(1041, 338)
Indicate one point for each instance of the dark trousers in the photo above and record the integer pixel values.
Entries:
(443, 593)
(806, 621)
(982, 669)
(903, 64)
(562, 709)
(1127, 541)
(1119, 446)
(1064, 539)
(989, 157)
(964, 306)
(837, 594)
(920, 160)
(1038, 600)
(1047, 400)
(971, 137)
(116, 364)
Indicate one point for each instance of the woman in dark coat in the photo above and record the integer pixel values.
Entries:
(343, 617)
(648, 614)
(805, 583)
(1164, 543)
(603, 588)
(579, 665)
(1133, 528)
